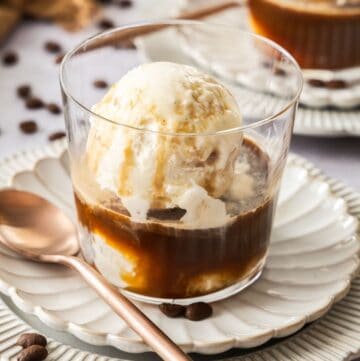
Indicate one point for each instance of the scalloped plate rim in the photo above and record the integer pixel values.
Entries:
(56, 150)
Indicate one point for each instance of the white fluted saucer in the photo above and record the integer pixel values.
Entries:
(313, 257)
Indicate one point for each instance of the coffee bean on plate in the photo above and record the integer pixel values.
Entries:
(10, 58)
(53, 108)
(317, 83)
(125, 3)
(52, 47)
(101, 84)
(56, 136)
(198, 311)
(33, 353)
(337, 84)
(34, 103)
(28, 127)
(172, 310)
(23, 91)
(31, 338)
(106, 24)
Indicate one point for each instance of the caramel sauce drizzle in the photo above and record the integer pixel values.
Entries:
(126, 168)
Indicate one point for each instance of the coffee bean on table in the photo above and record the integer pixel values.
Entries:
(198, 311)
(33, 353)
(53, 108)
(52, 47)
(31, 338)
(28, 127)
(337, 84)
(125, 3)
(23, 91)
(172, 310)
(57, 135)
(101, 84)
(106, 24)
(10, 58)
(34, 103)
(317, 83)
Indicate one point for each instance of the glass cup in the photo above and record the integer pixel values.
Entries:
(182, 216)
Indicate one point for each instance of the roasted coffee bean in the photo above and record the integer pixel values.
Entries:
(53, 108)
(172, 310)
(125, 3)
(33, 353)
(106, 24)
(59, 58)
(52, 47)
(56, 136)
(23, 91)
(34, 103)
(29, 339)
(28, 127)
(10, 58)
(198, 311)
(317, 83)
(337, 84)
(101, 84)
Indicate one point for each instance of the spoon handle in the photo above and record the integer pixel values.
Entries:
(145, 328)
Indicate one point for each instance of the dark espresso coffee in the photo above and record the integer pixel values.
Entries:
(174, 262)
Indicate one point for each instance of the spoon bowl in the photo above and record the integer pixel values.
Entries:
(32, 226)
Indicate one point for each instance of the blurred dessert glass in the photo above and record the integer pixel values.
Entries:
(320, 34)
(176, 169)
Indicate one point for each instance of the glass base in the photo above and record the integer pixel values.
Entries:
(211, 297)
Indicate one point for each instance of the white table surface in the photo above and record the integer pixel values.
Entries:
(338, 157)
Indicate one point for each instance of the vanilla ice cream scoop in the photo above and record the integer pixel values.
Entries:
(159, 149)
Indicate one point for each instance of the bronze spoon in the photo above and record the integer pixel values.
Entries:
(37, 230)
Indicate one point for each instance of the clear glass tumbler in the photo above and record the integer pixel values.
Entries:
(179, 216)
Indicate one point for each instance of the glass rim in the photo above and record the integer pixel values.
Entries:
(171, 22)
